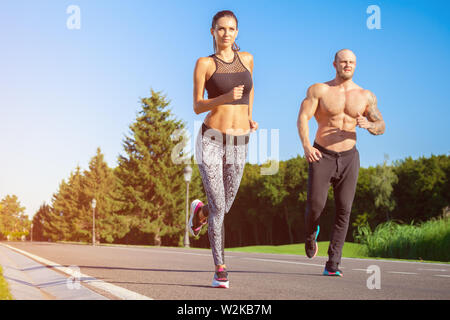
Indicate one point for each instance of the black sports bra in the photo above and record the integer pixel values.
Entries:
(227, 76)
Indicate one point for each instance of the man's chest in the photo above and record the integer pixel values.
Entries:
(337, 102)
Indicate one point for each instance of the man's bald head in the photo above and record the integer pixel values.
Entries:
(345, 63)
(344, 53)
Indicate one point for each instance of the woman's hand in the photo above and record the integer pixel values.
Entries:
(253, 125)
(235, 94)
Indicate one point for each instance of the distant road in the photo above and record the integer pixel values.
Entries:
(186, 274)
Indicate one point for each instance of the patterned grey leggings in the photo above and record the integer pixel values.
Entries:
(221, 167)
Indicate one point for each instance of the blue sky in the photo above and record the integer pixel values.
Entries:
(66, 92)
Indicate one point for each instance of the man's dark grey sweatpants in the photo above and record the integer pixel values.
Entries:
(339, 169)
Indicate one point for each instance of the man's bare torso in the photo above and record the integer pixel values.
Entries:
(336, 115)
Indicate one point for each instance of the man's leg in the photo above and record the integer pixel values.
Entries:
(344, 193)
(319, 176)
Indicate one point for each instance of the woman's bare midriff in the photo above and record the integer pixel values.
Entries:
(229, 119)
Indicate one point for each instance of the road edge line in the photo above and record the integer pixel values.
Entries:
(117, 291)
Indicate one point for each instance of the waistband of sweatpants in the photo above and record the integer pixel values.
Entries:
(233, 140)
(334, 153)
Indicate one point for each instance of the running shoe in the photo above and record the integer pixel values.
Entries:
(335, 273)
(311, 247)
(220, 279)
(195, 226)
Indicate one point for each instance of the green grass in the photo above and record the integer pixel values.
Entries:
(428, 241)
(4, 291)
(350, 250)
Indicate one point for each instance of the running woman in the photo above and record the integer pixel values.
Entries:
(339, 106)
(222, 143)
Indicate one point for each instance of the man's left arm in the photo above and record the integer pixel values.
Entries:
(372, 120)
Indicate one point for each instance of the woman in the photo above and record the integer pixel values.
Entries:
(222, 143)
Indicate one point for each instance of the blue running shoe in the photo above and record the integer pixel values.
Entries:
(311, 247)
(337, 273)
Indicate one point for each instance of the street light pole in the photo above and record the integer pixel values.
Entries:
(94, 203)
(187, 177)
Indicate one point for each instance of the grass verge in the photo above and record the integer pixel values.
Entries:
(350, 250)
(429, 240)
(4, 290)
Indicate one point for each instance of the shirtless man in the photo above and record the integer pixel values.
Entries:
(339, 106)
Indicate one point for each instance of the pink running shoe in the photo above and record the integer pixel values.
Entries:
(195, 226)
(220, 279)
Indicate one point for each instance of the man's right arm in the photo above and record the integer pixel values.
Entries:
(307, 111)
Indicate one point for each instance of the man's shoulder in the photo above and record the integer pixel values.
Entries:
(369, 95)
(318, 89)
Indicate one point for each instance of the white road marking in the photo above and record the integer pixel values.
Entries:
(284, 261)
(137, 248)
(278, 261)
(108, 287)
(435, 270)
(400, 272)
(397, 261)
(188, 253)
(442, 275)
(365, 270)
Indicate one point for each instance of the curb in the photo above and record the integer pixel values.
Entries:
(75, 277)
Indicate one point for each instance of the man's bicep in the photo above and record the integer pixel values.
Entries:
(372, 112)
(309, 104)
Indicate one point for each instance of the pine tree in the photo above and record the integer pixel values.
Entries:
(151, 186)
(100, 184)
(42, 228)
(71, 210)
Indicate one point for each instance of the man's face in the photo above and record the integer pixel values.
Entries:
(345, 64)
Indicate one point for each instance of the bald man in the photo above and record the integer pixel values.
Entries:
(339, 106)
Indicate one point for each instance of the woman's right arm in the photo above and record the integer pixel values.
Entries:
(200, 104)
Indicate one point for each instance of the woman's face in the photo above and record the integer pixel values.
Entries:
(225, 32)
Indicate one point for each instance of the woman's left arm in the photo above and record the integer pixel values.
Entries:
(253, 124)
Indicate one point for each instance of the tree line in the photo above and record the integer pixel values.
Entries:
(14, 223)
(142, 200)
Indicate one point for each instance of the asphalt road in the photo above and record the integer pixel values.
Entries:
(186, 274)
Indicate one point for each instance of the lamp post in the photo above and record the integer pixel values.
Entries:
(187, 177)
(31, 232)
(61, 214)
(94, 203)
